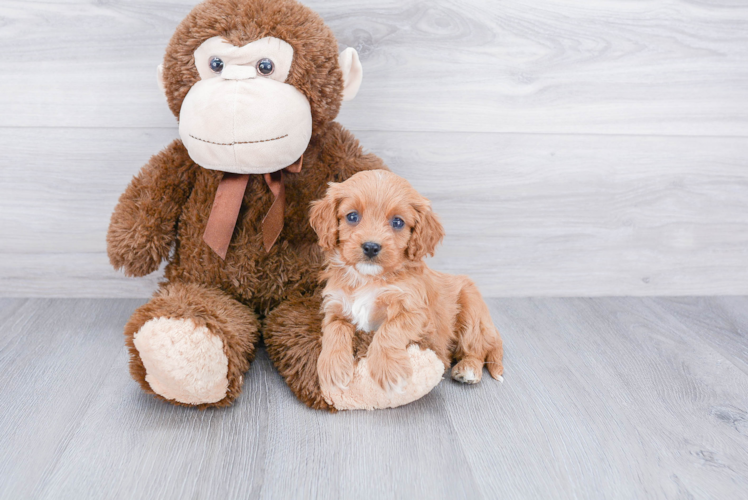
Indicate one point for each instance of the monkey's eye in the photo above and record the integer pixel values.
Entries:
(265, 67)
(216, 64)
(397, 223)
(353, 218)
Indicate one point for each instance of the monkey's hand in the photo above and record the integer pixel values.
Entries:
(135, 244)
(143, 226)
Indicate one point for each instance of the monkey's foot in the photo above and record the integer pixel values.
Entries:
(364, 393)
(183, 362)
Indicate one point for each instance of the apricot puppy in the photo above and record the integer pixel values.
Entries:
(376, 230)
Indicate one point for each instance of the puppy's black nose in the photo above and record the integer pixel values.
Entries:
(371, 249)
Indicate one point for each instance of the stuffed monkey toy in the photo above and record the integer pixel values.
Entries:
(255, 85)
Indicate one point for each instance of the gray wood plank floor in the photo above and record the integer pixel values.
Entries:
(603, 398)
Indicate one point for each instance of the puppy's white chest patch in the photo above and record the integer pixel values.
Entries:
(360, 307)
(363, 309)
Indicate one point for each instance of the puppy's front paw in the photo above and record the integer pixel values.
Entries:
(335, 368)
(391, 369)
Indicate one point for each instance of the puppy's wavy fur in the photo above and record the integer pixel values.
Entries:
(394, 294)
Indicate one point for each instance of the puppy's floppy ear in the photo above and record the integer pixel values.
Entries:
(427, 232)
(324, 218)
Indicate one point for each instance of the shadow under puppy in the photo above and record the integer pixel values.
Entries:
(376, 230)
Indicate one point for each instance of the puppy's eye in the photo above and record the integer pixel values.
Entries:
(397, 223)
(353, 218)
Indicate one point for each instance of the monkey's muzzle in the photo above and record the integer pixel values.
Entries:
(244, 123)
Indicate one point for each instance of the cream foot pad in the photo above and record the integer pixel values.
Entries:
(183, 362)
(365, 394)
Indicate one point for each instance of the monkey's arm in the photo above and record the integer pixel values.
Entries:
(143, 225)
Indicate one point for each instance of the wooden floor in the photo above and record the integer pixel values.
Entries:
(603, 398)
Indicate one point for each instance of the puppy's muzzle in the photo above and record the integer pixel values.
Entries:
(371, 249)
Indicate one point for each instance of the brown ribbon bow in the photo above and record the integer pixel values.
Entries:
(228, 202)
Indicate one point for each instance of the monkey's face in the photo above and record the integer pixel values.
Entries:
(242, 116)
(251, 82)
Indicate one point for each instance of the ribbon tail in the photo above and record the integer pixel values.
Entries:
(272, 224)
(223, 215)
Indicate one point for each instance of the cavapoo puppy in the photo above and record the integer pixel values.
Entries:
(376, 230)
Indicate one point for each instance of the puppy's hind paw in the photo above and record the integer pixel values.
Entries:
(468, 371)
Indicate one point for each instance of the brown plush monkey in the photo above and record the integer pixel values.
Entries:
(256, 85)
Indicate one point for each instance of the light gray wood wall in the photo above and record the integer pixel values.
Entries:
(571, 147)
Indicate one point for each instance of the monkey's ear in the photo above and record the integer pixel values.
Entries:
(323, 218)
(160, 78)
(353, 73)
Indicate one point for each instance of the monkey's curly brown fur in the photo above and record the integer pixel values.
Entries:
(163, 212)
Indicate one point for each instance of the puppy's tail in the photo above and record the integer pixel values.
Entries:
(494, 359)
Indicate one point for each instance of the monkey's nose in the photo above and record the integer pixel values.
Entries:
(371, 249)
(238, 72)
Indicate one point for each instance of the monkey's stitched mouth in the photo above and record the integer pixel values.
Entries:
(235, 143)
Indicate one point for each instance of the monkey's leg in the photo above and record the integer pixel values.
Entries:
(293, 337)
(191, 344)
